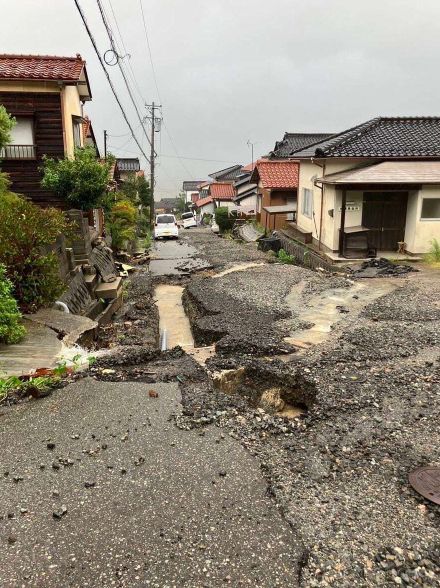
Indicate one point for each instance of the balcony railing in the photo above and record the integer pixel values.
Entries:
(18, 152)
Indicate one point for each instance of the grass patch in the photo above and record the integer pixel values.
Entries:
(433, 255)
(284, 257)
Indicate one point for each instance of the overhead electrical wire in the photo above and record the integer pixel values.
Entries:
(157, 87)
(108, 77)
(118, 60)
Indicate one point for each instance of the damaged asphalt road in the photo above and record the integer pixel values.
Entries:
(323, 499)
(119, 496)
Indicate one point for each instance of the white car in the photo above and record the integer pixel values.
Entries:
(166, 226)
(189, 220)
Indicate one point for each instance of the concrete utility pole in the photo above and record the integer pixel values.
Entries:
(153, 119)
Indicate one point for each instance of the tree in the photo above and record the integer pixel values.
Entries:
(137, 190)
(25, 230)
(122, 223)
(11, 329)
(6, 125)
(82, 181)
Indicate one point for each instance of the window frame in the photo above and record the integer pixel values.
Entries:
(77, 123)
(307, 192)
(429, 219)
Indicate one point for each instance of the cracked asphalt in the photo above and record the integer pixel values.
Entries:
(140, 502)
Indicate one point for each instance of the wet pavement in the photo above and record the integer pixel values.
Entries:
(125, 498)
(173, 257)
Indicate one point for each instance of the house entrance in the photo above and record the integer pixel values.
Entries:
(384, 213)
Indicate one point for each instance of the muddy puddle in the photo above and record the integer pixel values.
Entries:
(173, 258)
(174, 325)
(330, 307)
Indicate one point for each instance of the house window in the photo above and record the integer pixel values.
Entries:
(307, 202)
(77, 130)
(22, 144)
(430, 209)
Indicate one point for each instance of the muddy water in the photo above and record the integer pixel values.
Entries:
(172, 317)
(322, 310)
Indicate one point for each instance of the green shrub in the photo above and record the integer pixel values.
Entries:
(433, 255)
(223, 219)
(122, 223)
(11, 331)
(82, 181)
(25, 230)
(284, 257)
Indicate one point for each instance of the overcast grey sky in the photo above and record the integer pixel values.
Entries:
(233, 70)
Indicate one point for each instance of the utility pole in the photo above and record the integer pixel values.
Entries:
(152, 156)
(251, 145)
(105, 144)
(153, 107)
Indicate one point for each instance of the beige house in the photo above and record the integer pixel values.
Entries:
(374, 189)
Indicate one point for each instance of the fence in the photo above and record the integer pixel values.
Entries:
(304, 255)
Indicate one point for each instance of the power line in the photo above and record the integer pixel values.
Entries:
(118, 60)
(183, 156)
(157, 87)
(108, 76)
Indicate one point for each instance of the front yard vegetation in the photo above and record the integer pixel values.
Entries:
(11, 329)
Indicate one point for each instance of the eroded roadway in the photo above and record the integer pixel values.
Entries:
(141, 502)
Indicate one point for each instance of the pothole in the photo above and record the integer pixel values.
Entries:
(275, 394)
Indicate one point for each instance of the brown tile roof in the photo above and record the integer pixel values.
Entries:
(222, 191)
(203, 201)
(277, 174)
(41, 67)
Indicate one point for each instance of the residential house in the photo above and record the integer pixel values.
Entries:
(129, 167)
(46, 96)
(167, 205)
(294, 141)
(228, 174)
(277, 185)
(89, 138)
(246, 190)
(218, 194)
(190, 187)
(375, 186)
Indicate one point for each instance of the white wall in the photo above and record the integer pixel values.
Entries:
(248, 201)
(206, 209)
(418, 232)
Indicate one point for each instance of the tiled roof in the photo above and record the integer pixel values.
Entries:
(190, 185)
(229, 173)
(203, 201)
(41, 67)
(222, 191)
(389, 172)
(382, 137)
(128, 164)
(294, 141)
(277, 174)
(249, 167)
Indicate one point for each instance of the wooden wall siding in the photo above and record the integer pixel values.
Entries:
(48, 129)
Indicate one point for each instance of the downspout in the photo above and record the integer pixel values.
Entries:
(321, 187)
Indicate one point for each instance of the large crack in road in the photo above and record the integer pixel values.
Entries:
(194, 476)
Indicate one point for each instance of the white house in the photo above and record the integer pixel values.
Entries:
(375, 186)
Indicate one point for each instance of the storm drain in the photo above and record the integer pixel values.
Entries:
(426, 481)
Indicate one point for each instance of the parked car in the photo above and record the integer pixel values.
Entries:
(166, 226)
(214, 227)
(189, 220)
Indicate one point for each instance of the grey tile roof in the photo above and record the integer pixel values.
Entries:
(229, 173)
(191, 185)
(293, 141)
(382, 137)
(128, 164)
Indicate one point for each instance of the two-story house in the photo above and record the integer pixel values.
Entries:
(46, 95)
